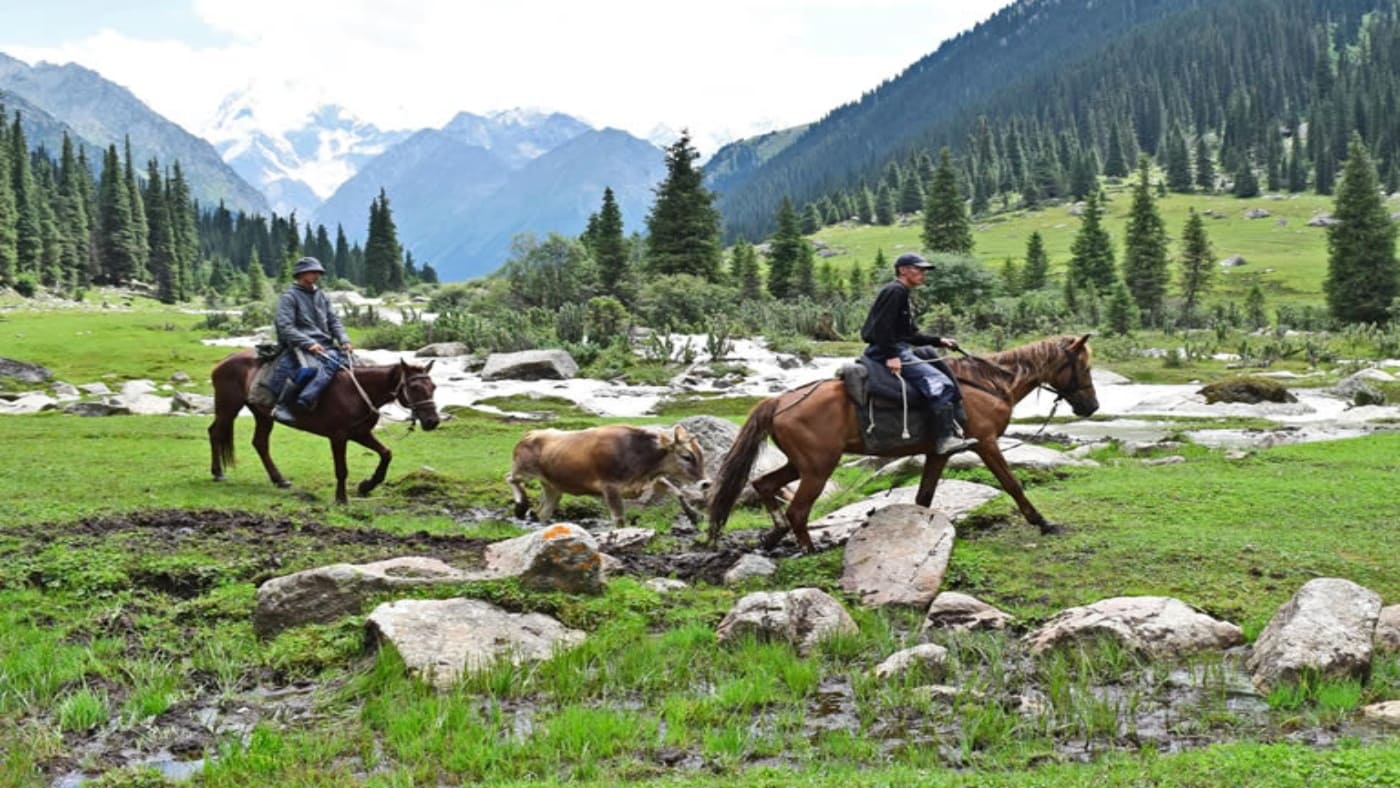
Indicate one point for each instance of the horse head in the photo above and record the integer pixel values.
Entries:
(414, 391)
(1072, 380)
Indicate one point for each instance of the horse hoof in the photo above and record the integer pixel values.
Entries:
(363, 490)
(283, 483)
(1050, 529)
(218, 477)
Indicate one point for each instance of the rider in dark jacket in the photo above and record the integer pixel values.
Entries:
(310, 332)
(892, 335)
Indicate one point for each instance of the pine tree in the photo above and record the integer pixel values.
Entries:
(1036, 272)
(1197, 262)
(138, 215)
(745, 272)
(1363, 278)
(1115, 164)
(1246, 182)
(947, 227)
(1122, 313)
(1145, 249)
(1011, 277)
(257, 282)
(183, 230)
(811, 219)
(855, 282)
(683, 228)
(884, 206)
(1254, 310)
(9, 253)
(911, 195)
(865, 206)
(1205, 167)
(784, 252)
(342, 256)
(610, 246)
(29, 244)
(116, 233)
(1091, 253)
(879, 269)
(1083, 178)
(161, 261)
(1297, 166)
(1178, 164)
(383, 255)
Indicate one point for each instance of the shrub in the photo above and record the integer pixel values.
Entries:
(26, 286)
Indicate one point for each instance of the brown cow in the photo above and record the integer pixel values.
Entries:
(615, 462)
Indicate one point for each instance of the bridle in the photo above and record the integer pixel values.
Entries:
(400, 395)
(1074, 387)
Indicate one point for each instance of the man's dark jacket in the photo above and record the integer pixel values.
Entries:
(891, 323)
(306, 318)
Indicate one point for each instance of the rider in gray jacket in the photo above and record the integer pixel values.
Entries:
(309, 330)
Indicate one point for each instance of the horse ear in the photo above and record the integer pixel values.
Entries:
(1080, 342)
(429, 368)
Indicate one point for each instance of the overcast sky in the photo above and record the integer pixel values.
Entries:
(722, 68)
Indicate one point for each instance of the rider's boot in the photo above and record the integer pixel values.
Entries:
(286, 401)
(949, 434)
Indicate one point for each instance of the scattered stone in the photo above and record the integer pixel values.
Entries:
(665, 585)
(942, 693)
(189, 402)
(1388, 629)
(1257, 213)
(927, 656)
(65, 392)
(1154, 626)
(1232, 261)
(1359, 391)
(954, 497)
(443, 350)
(27, 403)
(961, 613)
(23, 371)
(95, 389)
(442, 640)
(329, 593)
(1025, 455)
(624, 540)
(562, 557)
(530, 365)
(98, 409)
(1251, 390)
(749, 566)
(899, 557)
(180, 376)
(1387, 713)
(1175, 459)
(1322, 220)
(1328, 627)
(803, 617)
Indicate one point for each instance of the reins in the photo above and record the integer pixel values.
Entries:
(398, 394)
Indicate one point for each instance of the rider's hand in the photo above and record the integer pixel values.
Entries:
(316, 348)
(347, 347)
(894, 364)
(950, 343)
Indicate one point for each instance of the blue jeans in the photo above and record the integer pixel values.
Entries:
(325, 367)
(928, 379)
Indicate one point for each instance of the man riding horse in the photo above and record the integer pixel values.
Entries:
(892, 335)
(312, 340)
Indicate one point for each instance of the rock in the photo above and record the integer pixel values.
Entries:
(928, 657)
(23, 371)
(141, 404)
(65, 392)
(785, 361)
(1388, 629)
(1359, 391)
(442, 640)
(1257, 213)
(562, 557)
(749, 566)
(29, 402)
(624, 540)
(1322, 220)
(329, 593)
(1246, 389)
(954, 497)
(899, 557)
(803, 617)
(1232, 261)
(716, 436)
(180, 376)
(1387, 713)
(665, 585)
(1154, 626)
(98, 409)
(1327, 627)
(530, 365)
(189, 402)
(1025, 455)
(961, 613)
(1175, 459)
(95, 389)
(443, 350)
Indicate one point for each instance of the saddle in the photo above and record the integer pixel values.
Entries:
(880, 402)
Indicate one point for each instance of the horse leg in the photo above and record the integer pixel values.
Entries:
(342, 471)
(372, 443)
(996, 463)
(807, 491)
(769, 487)
(933, 471)
(260, 433)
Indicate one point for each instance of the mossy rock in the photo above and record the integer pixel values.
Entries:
(1248, 390)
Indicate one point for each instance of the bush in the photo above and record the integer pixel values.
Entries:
(26, 286)
(607, 320)
(255, 315)
(683, 302)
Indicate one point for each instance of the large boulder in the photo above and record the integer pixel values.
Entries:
(189, 402)
(29, 402)
(748, 567)
(899, 557)
(329, 593)
(562, 557)
(530, 365)
(1025, 455)
(1359, 390)
(442, 640)
(927, 656)
(1388, 629)
(954, 497)
(113, 408)
(1386, 713)
(1154, 626)
(443, 350)
(803, 617)
(1327, 627)
(961, 613)
(1251, 390)
(716, 436)
(23, 371)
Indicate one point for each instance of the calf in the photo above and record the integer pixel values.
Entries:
(615, 462)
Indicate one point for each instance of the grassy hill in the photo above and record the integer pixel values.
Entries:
(1285, 256)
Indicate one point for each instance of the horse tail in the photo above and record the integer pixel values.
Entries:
(734, 471)
(228, 379)
(221, 437)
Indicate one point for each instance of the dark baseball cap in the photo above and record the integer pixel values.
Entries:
(909, 258)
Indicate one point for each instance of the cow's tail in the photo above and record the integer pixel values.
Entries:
(734, 471)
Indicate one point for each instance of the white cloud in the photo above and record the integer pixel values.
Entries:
(626, 63)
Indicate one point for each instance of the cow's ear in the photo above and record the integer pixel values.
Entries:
(681, 435)
(663, 439)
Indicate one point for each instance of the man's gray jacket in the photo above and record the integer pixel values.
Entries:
(306, 318)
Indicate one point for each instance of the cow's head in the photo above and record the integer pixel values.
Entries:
(684, 457)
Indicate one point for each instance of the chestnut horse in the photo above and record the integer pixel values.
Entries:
(341, 415)
(815, 424)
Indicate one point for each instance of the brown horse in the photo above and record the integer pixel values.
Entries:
(341, 415)
(817, 423)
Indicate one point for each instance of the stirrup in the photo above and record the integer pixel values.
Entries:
(952, 444)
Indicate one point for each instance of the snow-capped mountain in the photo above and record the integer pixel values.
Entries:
(299, 167)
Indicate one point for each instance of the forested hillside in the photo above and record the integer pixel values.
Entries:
(1047, 88)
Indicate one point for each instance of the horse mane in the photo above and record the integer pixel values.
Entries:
(1002, 369)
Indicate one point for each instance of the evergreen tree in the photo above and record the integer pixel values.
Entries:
(9, 252)
(257, 282)
(610, 247)
(911, 195)
(1115, 164)
(1363, 278)
(865, 206)
(811, 219)
(1084, 177)
(1011, 279)
(1036, 272)
(1122, 313)
(1091, 253)
(1246, 182)
(784, 253)
(141, 249)
(1178, 163)
(683, 227)
(855, 283)
(1254, 308)
(184, 233)
(162, 262)
(1145, 250)
(1197, 262)
(745, 272)
(383, 255)
(946, 224)
(116, 233)
(1205, 167)
(804, 278)
(1297, 166)
(879, 269)
(884, 206)
(29, 243)
(342, 256)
